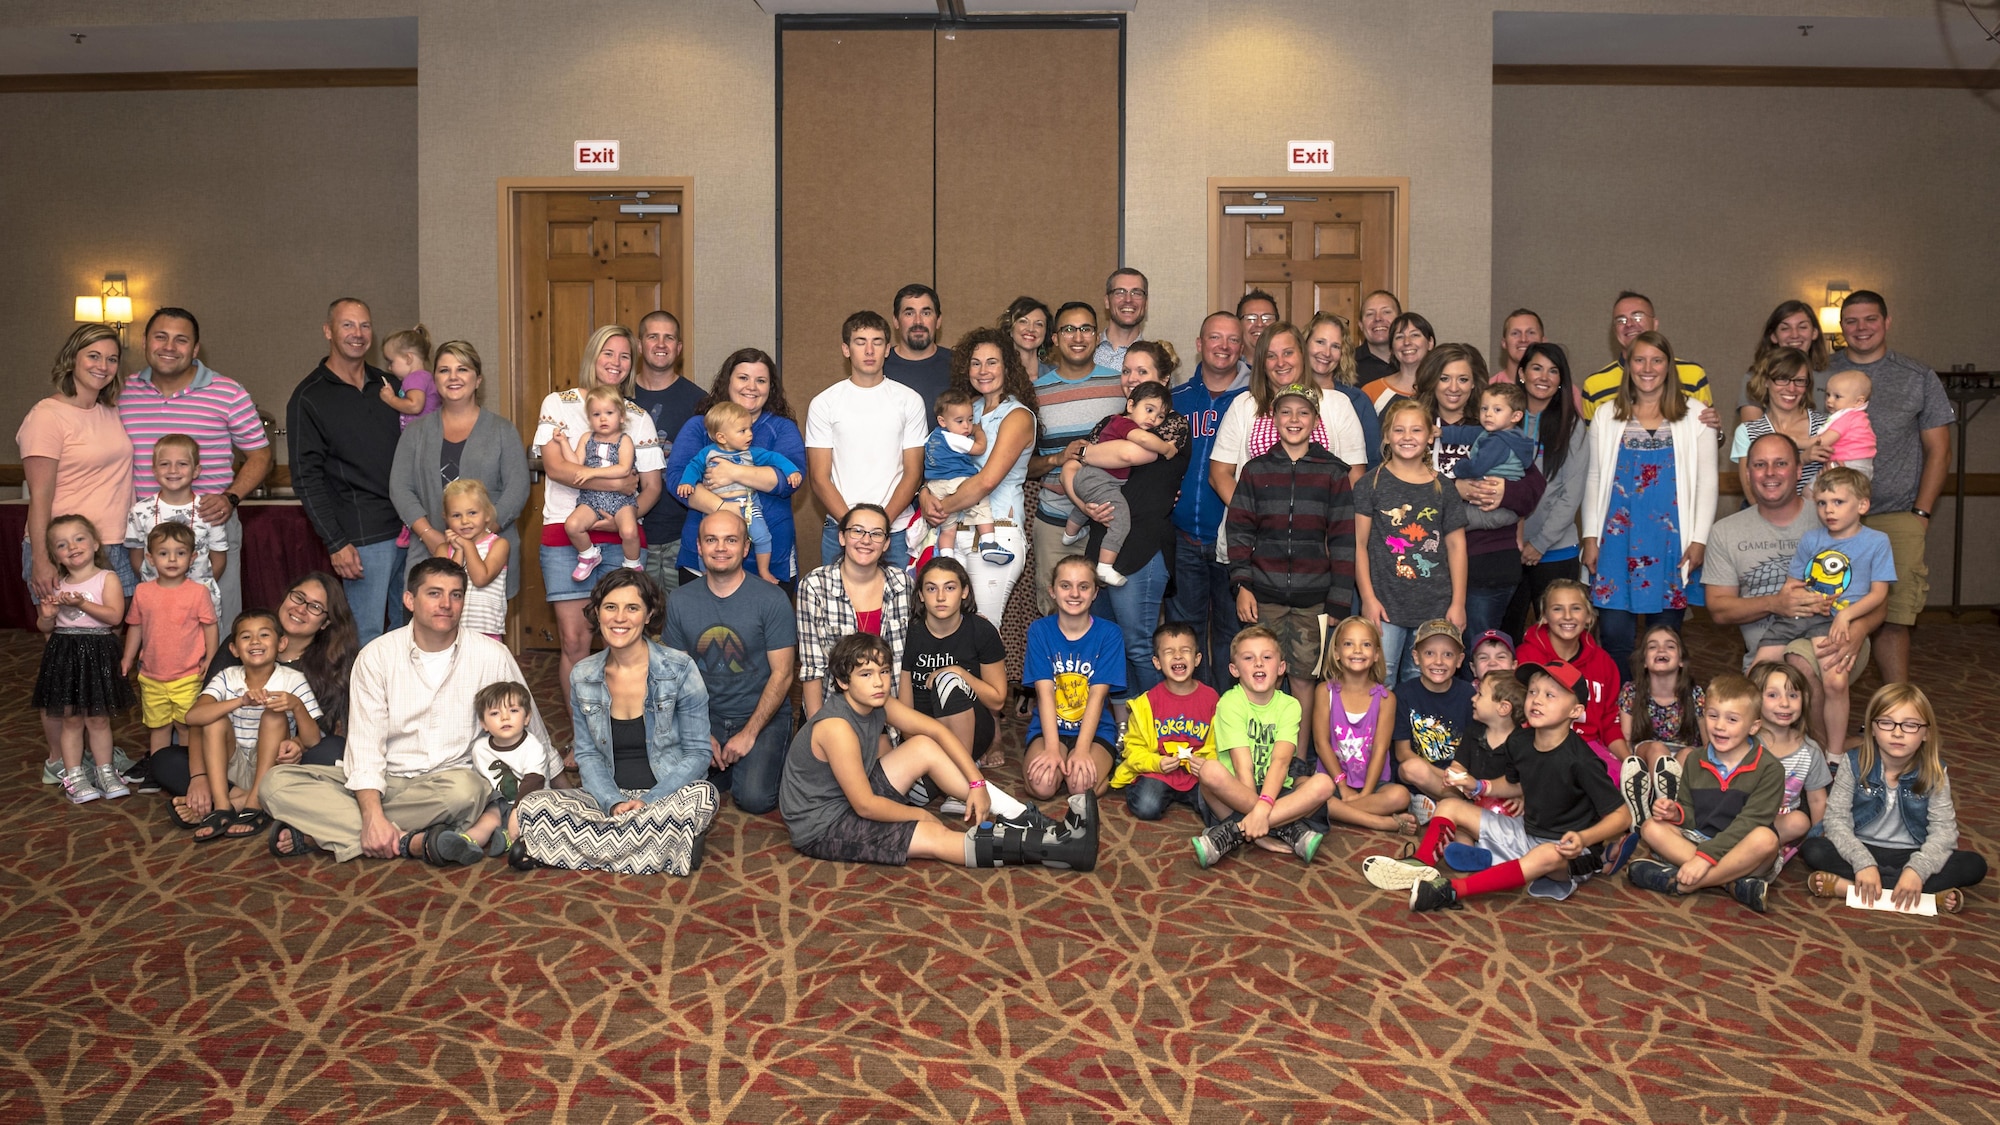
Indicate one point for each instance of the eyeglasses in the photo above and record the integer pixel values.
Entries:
(1798, 380)
(1124, 292)
(867, 534)
(1635, 320)
(1260, 318)
(314, 608)
(1907, 726)
(1077, 330)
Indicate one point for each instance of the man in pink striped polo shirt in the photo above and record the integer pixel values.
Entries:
(176, 393)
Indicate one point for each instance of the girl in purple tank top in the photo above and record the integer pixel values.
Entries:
(1352, 736)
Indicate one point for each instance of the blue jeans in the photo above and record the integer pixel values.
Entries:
(894, 553)
(377, 596)
(1135, 608)
(1149, 798)
(753, 778)
(1202, 599)
(1397, 654)
(1618, 632)
(1486, 608)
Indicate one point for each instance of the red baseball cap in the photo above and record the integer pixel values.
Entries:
(1561, 671)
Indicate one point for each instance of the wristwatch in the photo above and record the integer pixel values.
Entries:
(234, 500)
(1924, 512)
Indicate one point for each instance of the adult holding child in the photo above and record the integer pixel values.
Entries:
(984, 365)
(1549, 540)
(1781, 385)
(749, 378)
(461, 440)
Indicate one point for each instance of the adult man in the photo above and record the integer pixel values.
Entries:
(1258, 311)
(1074, 396)
(670, 399)
(176, 393)
(917, 362)
(1520, 331)
(343, 442)
(1912, 417)
(865, 438)
(410, 725)
(1631, 314)
(742, 636)
(1124, 314)
(1379, 311)
(1201, 595)
(1750, 553)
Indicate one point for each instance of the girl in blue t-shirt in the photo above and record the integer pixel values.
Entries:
(1074, 661)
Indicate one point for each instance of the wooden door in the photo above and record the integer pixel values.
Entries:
(1323, 254)
(580, 263)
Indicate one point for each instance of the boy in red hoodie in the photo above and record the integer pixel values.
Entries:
(1564, 634)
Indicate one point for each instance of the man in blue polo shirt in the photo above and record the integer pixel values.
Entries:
(1201, 595)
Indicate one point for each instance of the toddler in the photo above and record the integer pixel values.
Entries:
(471, 541)
(80, 687)
(1146, 407)
(1501, 449)
(176, 461)
(1849, 437)
(509, 756)
(607, 453)
(948, 460)
(729, 440)
(172, 634)
(408, 354)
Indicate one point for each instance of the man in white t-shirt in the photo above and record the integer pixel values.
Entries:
(865, 439)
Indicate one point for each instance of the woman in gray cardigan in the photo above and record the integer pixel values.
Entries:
(460, 440)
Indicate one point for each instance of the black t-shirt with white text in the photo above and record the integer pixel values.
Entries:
(975, 644)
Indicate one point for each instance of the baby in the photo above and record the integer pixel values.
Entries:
(1849, 437)
(1501, 450)
(729, 431)
(1146, 407)
(949, 458)
(607, 453)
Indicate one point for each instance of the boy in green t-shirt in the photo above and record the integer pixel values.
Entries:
(1256, 734)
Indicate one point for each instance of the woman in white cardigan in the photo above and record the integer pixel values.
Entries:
(1648, 501)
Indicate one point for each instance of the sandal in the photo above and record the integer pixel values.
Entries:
(1951, 900)
(1823, 884)
(252, 821)
(293, 850)
(993, 760)
(217, 823)
(181, 822)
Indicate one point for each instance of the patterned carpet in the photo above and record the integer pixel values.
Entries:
(150, 980)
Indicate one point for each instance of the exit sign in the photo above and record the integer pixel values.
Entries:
(595, 156)
(1309, 156)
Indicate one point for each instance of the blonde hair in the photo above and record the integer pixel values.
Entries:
(725, 414)
(1344, 372)
(1327, 670)
(470, 486)
(180, 441)
(411, 341)
(1571, 585)
(1930, 756)
(604, 392)
(63, 374)
(49, 540)
(1733, 687)
(1841, 476)
(1673, 396)
(586, 372)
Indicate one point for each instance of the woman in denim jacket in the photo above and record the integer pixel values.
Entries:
(642, 749)
(1889, 819)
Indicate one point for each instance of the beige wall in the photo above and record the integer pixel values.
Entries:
(252, 209)
(1742, 203)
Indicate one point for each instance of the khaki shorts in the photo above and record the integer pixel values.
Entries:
(1912, 588)
(164, 703)
(1803, 648)
(1298, 635)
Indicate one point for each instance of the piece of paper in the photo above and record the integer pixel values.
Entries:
(1926, 904)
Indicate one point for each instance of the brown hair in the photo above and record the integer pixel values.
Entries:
(1261, 390)
(1016, 381)
(1514, 393)
(1734, 687)
(1772, 365)
(1689, 730)
(63, 374)
(1505, 687)
(49, 539)
(851, 652)
(1819, 352)
(173, 530)
(1673, 396)
(1841, 476)
(499, 692)
(718, 391)
(1432, 369)
(1165, 359)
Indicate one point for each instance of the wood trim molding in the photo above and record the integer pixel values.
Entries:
(206, 80)
(1398, 186)
(1870, 78)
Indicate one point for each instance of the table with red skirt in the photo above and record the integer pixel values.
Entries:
(279, 545)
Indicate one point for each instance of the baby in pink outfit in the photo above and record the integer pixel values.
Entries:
(1849, 438)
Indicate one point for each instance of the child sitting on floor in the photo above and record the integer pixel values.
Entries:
(1168, 727)
(1490, 651)
(1353, 719)
(1497, 705)
(1257, 727)
(265, 704)
(1433, 717)
(1074, 661)
(1787, 707)
(511, 759)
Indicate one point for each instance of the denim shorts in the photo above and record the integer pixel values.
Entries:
(557, 562)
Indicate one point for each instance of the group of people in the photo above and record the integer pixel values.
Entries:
(1292, 588)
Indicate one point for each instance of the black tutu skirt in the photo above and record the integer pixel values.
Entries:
(80, 675)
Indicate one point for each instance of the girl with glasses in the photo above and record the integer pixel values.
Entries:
(857, 593)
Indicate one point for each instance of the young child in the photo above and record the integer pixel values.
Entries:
(1498, 703)
(1716, 830)
(1145, 408)
(80, 685)
(509, 756)
(1668, 724)
(266, 704)
(1491, 651)
(1167, 728)
(1501, 449)
(949, 459)
(1252, 782)
(176, 460)
(1890, 823)
(171, 635)
(1433, 717)
(408, 354)
(1787, 705)
(1564, 634)
(607, 452)
(1569, 809)
(842, 797)
(1852, 565)
(1409, 533)
(1849, 437)
(1290, 533)
(729, 432)
(1074, 661)
(471, 541)
(1353, 719)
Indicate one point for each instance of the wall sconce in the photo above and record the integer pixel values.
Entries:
(112, 305)
(1829, 313)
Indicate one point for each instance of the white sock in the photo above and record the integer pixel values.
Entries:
(633, 564)
(1004, 807)
(590, 554)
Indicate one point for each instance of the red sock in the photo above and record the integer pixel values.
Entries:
(1436, 835)
(1499, 877)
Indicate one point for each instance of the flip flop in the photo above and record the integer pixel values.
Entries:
(181, 822)
(253, 821)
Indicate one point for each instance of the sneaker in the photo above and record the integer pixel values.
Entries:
(1652, 875)
(1622, 855)
(1753, 893)
(1391, 874)
(920, 793)
(1303, 841)
(1108, 574)
(110, 784)
(1072, 538)
(1422, 807)
(1433, 894)
(585, 563)
(1219, 841)
(1466, 858)
(952, 807)
(993, 552)
(1667, 779)
(78, 786)
(1635, 785)
(139, 777)
(52, 773)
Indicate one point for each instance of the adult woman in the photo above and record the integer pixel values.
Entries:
(641, 749)
(855, 594)
(985, 363)
(1522, 328)
(1333, 367)
(1026, 325)
(954, 667)
(749, 378)
(460, 440)
(1448, 383)
(1410, 340)
(1151, 489)
(76, 456)
(1549, 539)
(1648, 500)
(1793, 324)
(1781, 384)
(607, 359)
